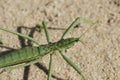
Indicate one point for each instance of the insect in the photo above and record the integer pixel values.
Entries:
(32, 55)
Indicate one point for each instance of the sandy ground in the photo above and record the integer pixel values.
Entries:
(99, 58)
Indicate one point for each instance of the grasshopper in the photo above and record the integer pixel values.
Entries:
(31, 55)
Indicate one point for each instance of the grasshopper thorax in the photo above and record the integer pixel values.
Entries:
(62, 44)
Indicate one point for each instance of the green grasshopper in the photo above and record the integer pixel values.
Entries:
(32, 55)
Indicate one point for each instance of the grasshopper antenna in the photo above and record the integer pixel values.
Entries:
(91, 26)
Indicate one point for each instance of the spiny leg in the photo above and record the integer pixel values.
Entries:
(51, 55)
(65, 35)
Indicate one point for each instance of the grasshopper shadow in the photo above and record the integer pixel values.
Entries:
(29, 43)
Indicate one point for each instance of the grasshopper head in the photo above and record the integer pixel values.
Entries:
(67, 43)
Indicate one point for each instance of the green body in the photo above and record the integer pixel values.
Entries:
(32, 53)
(19, 56)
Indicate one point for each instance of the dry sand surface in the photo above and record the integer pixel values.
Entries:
(99, 58)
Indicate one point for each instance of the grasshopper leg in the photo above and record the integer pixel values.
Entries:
(75, 23)
(71, 63)
(71, 27)
(51, 55)
(22, 35)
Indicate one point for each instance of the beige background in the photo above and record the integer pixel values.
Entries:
(99, 58)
